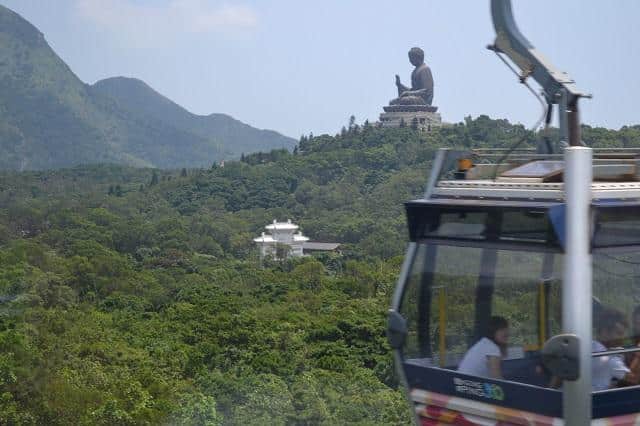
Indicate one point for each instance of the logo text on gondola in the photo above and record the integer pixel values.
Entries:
(483, 390)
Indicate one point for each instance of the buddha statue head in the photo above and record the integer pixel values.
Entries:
(416, 56)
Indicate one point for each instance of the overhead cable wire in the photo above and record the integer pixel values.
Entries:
(546, 114)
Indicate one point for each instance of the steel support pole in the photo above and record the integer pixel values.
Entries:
(576, 286)
(563, 122)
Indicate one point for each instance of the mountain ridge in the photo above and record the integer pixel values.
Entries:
(139, 97)
(50, 118)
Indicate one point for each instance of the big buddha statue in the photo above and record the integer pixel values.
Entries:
(421, 90)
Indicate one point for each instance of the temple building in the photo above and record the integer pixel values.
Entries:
(284, 239)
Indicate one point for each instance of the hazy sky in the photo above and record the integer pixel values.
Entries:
(300, 66)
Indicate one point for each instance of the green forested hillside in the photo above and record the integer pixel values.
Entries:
(50, 119)
(229, 135)
(135, 296)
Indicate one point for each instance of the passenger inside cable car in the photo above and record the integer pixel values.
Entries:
(610, 371)
(474, 263)
(472, 260)
(479, 312)
(484, 358)
(633, 359)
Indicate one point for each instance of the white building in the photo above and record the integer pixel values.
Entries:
(282, 241)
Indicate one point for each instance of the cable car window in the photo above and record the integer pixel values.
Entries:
(531, 226)
(467, 225)
(527, 291)
(520, 226)
(619, 227)
(616, 286)
(616, 317)
(452, 292)
(438, 303)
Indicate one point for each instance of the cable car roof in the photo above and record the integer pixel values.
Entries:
(479, 189)
(527, 176)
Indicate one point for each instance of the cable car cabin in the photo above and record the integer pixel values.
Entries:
(488, 240)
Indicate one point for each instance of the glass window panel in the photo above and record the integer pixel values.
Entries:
(460, 225)
(536, 169)
(616, 228)
(443, 284)
(530, 225)
(526, 293)
(522, 225)
(616, 286)
(442, 281)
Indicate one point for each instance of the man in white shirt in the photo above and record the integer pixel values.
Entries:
(611, 332)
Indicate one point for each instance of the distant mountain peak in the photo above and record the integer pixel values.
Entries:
(125, 82)
(49, 118)
(11, 23)
(136, 95)
(141, 99)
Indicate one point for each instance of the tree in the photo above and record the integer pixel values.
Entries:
(352, 122)
(267, 401)
(310, 275)
(183, 173)
(147, 306)
(282, 252)
(154, 178)
(198, 410)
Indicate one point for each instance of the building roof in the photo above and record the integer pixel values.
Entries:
(310, 245)
(269, 239)
(287, 237)
(282, 226)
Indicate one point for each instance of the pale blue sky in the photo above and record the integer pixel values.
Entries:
(300, 66)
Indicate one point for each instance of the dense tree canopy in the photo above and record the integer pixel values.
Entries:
(135, 296)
